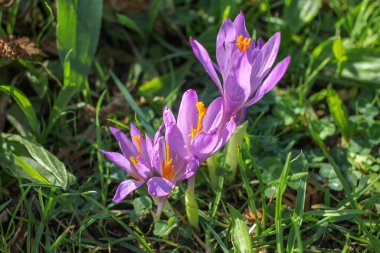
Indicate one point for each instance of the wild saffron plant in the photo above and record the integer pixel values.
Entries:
(135, 159)
(171, 162)
(201, 129)
(245, 66)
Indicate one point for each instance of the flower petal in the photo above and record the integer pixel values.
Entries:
(136, 132)
(273, 78)
(224, 42)
(144, 169)
(226, 133)
(125, 144)
(239, 24)
(159, 187)
(213, 115)
(264, 61)
(188, 115)
(123, 163)
(175, 141)
(159, 154)
(203, 145)
(149, 148)
(202, 55)
(191, 168)
(168, 117)
(125, 188)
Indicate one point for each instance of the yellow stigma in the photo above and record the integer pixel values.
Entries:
(134, 160)
(243, 43)
(167, 167)
(138, 141)
(201, 114)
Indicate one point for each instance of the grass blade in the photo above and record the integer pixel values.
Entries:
(133, 104)
(278, 207)
(25, 106)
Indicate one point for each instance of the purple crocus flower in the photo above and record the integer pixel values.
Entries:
(245, 66)
(201, 129)
(135, 159)
(171, 162)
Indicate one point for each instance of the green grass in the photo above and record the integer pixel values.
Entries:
(308, 168)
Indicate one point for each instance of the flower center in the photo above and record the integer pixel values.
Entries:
(243, 43)
(201, 114)
(167, 167)
(134, 160)
(138, 142)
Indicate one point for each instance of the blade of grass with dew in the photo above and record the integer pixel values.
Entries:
(133, 104)
(278, 206)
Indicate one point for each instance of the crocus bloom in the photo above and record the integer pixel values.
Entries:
(245, 66)
(201, 129)
(171, 162)
(135, 159)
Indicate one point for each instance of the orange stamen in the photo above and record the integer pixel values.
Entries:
(167, 167)
(138, 141)
(201, 114)
(134, 160)
(243, 43)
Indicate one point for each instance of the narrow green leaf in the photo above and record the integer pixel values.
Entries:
(24, 104)
(221, 243)
(129, 23)
(278, 206)
(133, 104)
(338, 111)
(78, 29)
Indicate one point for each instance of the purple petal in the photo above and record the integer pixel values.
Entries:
(125, 144)
(239, 24)
(234, 95)
(168, 117)
(213, 115)
(175, 141)
(224, 42)
(226, 133)
(260, 43)
(158, 134)
(203, 145)
(159, 154)
(125, 188)
(188, 114)
(123, 163)
(273, 78)
(202, 55)
(136, 132)
(159, 187)
(191, 169)
(144, 169)
(264, 61)
(149, 148)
